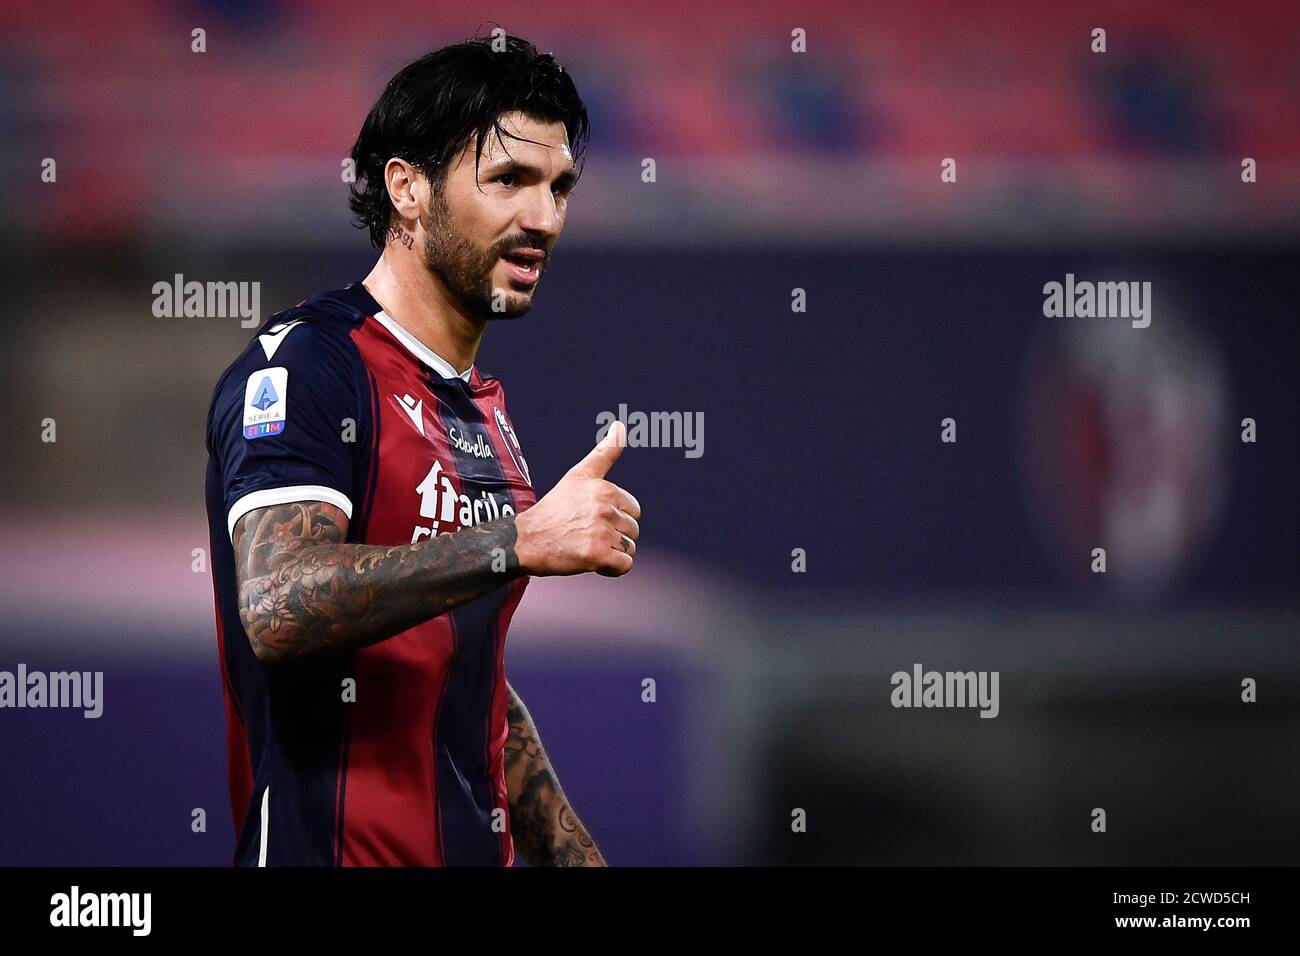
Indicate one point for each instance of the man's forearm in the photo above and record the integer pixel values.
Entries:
(306, 593)
(546, 830)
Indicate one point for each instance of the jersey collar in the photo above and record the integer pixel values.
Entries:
(420, 350)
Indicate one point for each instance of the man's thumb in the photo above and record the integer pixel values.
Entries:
(601, 458)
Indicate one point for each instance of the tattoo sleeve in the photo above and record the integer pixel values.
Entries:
(305, 593)
(546, 830)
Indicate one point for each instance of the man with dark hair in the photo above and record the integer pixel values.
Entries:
(373, 523)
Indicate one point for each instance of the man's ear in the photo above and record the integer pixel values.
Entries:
(406, 189)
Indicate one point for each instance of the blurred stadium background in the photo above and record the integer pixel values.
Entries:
(775, 170)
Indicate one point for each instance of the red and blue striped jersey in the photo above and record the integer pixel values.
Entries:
(335, 401)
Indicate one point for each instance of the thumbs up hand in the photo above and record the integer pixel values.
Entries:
(584, 523)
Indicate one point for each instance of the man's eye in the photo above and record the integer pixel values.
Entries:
(506, 179)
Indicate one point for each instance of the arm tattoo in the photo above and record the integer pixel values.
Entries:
(303, 592)
(545, 828)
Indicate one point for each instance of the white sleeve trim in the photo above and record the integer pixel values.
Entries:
(266, 818)
(283, 496)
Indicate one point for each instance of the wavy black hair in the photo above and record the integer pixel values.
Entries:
(430, 109)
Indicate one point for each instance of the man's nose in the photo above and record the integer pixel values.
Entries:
(540, 216)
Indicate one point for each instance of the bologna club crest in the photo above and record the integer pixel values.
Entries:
(1125, 438)
(511, 442)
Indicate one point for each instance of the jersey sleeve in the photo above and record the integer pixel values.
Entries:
(287, 420)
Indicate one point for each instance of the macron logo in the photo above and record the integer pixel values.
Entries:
(414, 411)
(271, 340)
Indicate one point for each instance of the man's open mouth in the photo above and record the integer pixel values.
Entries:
(526, 263)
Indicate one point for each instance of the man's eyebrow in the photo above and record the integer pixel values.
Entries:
(565, 180)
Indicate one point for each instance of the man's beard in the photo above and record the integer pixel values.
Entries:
(466, 269)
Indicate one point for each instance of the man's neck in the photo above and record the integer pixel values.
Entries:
(419, 303)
